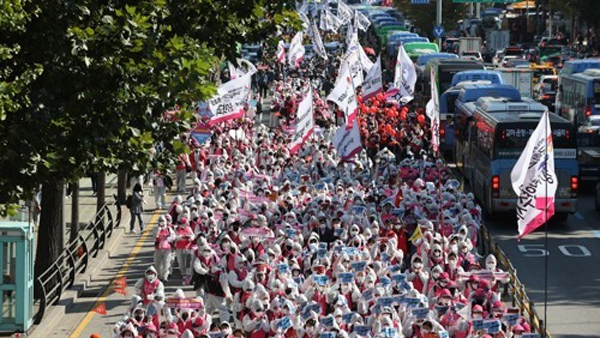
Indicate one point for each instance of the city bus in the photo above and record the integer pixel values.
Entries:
(464, 108)
(446, 68)
(447, 100)
(580, 96)
(496, 137)
(416, 49)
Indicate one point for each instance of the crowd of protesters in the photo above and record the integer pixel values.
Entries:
(303, 245)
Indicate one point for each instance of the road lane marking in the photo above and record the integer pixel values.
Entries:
(579, 216)
(109, 290)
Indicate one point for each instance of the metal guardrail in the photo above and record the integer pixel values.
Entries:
(75, 258)
(514, 289)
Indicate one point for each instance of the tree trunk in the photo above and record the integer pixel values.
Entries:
(101, 196)
(51, 233)
(122, 186)
(74, 212)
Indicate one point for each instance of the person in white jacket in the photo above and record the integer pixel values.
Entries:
(163, 239)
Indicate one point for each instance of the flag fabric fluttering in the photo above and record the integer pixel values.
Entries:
(296, 52)
(534, 179)
(373, 83)
(344, 12)
(329, 22)
(405, 77)
(344, 95)
(433, 112)
(280, 51)
(347, 141)
(305, 123)
(361, 21)
(231, 97)
(318, 46)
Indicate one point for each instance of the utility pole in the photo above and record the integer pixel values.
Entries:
(438, 21)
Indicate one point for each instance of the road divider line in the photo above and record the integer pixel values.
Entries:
(108, 291)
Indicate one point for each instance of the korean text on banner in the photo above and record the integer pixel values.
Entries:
(344, 96)
(433, 112)
(231, 97)
(534, 179)
(405, 76)
(280, 51)
(361, 21)
(344, 12)
(347, 142)
(329, 22)
(373, 83)
(305, 123)
(352, 61)
(296, 52)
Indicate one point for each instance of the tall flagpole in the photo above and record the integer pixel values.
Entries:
(543, 334)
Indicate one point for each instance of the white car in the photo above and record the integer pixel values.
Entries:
(472, 55)
(591, 125)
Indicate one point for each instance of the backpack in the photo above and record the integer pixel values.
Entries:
(128, 201)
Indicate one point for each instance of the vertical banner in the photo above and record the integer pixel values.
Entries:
(344, 12)
(347, 141)
(405, 77)
(534, 179)
(296, 52)
(318, 46)
(361, 21)
(280, 51)
(373, 84)
(433, 112)
(304, 123)
(344, 95)
(231, 97)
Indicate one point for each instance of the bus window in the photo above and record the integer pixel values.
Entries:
(451, 103)
(597, 92)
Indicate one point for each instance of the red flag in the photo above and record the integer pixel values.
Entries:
(122, 291)
(121, 282)
(100, 309)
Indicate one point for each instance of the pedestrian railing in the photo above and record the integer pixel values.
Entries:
(514, 290)
(75, 258)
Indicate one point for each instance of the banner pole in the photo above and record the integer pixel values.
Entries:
(543, 334)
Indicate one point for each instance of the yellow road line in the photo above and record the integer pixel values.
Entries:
(109, 290)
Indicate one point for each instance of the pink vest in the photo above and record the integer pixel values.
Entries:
(162, 237)
(148, 289)
(183, 243)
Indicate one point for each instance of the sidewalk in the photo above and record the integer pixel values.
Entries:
(127, 254)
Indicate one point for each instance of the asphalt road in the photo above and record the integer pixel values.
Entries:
(573, 274)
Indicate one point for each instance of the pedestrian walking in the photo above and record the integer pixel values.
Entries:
(137, 207)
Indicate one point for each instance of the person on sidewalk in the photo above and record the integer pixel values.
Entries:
(183, 164)
(164, 236)
(137, 207)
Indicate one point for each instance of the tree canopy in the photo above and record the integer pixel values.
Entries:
(84, 83)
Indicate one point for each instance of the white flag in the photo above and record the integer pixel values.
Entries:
(231, 97)
(344, 12)
(318, 46)
(405, 76)
(296, 52)
(329, 22)
(280, 51)
(305, 20)
(373, 83)
(534, 180)
(304, 125)
(351, 34)
(344, 95)
(352, 62)
(347, 141)
(433, 112)
(361, 21)
(245, 67)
